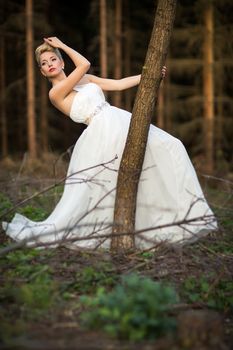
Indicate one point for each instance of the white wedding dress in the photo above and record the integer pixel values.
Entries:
(169, 191)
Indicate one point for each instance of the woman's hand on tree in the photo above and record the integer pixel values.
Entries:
(164, 70)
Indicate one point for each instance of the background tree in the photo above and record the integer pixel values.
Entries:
(127, 40)
(133, 155)
(103, 39)
(118, 49)
(208, 85)
(44, 115)
(3, 119)
(183, 94)
(31, 121)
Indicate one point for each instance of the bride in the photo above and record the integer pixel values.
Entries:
(168, 193)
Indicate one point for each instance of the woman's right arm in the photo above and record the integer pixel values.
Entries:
(82, 65)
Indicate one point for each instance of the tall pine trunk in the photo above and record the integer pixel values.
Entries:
(168, 112)
(208, 87)
(44, 115)
(31, 123)
(118, 49)
(43, 101)
(219, 118)
(127, 53)
(143, 110)
(3, 120)
(103, 39)
(160, 109)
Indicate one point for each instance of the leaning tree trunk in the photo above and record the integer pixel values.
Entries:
(31, 123)
(143, 110)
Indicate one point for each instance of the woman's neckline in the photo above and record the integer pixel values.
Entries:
(81, 86)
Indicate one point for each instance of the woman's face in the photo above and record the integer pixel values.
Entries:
(50, 64)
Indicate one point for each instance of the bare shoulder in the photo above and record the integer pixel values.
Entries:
(62, 104)
(56, 93)
(55, 96)
(52, 95)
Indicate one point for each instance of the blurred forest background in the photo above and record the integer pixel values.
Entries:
(195, 102)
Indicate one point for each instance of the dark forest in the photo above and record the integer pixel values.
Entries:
(167, 297)
(181, 109)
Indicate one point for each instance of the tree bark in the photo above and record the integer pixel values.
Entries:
(118, 49)
(208, 87)
(31, 123)
(44, 115)
(3, 118)
(127, 53)
(168, 121)
(4, 138)
(103, 39)
(219, 118)
(160, 109)
(143, 110)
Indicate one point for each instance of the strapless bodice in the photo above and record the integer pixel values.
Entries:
(88, 102)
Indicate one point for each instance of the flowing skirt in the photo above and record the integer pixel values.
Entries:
(171, 205)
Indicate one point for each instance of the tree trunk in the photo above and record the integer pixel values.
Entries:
(31, 123)
(208, 89)
(103, 39)
(168, 121)
(219, 118)
(44, 114)
(127, 53)
(4, 138)
(118, 46)
(160, 109)
(143, 110)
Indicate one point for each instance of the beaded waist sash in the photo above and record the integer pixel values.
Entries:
(96, 111)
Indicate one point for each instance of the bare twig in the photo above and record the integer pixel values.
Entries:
(97, 235)
(48, 188)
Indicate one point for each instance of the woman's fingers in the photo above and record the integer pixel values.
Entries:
(164, 69)
(53, 41)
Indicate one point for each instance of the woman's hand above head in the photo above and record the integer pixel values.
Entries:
(54, 42)
(62, 85)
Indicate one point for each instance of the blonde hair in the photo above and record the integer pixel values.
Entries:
(46, 48)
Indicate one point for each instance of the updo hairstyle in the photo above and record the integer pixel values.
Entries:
(46, 48)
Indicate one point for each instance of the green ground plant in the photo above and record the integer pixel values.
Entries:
(33, 213)
(215, 295)
(5, 205)
(28, 282)
(90, 278)
(137, 308)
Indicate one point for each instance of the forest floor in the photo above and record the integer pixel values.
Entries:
(41, 291)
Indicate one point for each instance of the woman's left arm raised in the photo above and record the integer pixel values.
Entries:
(114, 84)
(118, 84)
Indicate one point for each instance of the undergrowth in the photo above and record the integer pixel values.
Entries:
(38, 285)
(137, 308)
